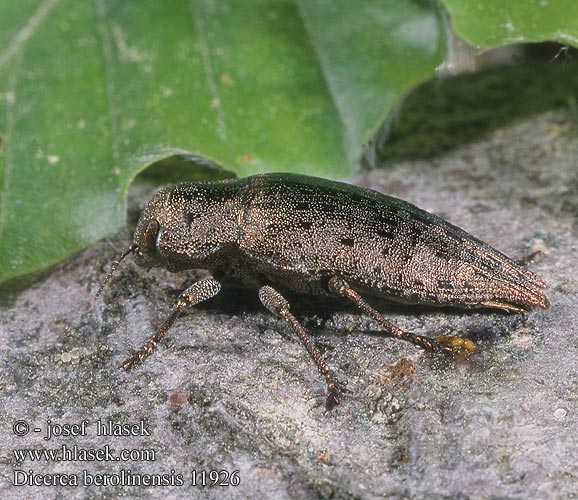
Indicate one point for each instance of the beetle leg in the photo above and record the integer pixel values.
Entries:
(277, 304)
(196, 293)
(445, 343)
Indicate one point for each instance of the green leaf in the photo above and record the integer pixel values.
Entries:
(91, 93)
(491, 23)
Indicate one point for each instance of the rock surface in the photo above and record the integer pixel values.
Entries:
(231, 389)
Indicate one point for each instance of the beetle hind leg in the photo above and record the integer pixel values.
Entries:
(447, 344)
(277, 304)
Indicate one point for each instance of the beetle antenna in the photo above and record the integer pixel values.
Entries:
(115, 264)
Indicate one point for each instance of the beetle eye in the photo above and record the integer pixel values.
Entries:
(149, 236)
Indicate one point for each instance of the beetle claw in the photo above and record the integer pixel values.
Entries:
(334, 391)
(333, 398)
(459, 346)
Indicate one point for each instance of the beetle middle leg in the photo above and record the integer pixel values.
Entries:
(198, 292)
(445, 343)
(277, 304)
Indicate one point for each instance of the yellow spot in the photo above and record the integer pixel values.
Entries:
(460, 345)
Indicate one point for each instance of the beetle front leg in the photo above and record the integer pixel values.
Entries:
(445, 343)
(277, 304)
(195, 294)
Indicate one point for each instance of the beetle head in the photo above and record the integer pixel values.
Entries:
(144, 247)
(149, 230)
(145, 240)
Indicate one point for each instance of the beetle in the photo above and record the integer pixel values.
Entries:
(321, 237)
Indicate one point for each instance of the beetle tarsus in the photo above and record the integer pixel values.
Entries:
(139, 356)
(334, 391)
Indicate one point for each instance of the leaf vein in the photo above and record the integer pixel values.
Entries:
(337, 102)
(29, 28)
(106, 44)
(209, 74)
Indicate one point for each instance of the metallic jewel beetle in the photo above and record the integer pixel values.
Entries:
(320, 237)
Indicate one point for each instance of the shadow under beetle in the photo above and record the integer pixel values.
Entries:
(321, 237)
